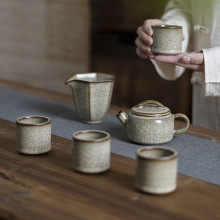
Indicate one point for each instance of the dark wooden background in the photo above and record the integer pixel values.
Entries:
(113, 32)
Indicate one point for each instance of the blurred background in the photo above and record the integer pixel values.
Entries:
(43, 42)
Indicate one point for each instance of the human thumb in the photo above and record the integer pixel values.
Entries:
(195, 58)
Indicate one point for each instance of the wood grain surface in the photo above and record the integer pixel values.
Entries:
(46, 187)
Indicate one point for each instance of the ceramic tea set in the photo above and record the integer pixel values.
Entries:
(149, 122)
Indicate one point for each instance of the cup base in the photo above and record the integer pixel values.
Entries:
(93, 122)
(156, 191)
(87, 171)
(152, 142)
(26, 152)
(166, 52)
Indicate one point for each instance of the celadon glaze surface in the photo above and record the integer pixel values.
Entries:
(150, 130)
(100, 97)
(33, 135)
(81, 99)
(92, 93)
(91, 151)
(156, 170)
(167, 39)
(150, 122)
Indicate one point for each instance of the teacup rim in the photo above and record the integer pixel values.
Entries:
(164, 158)
(107, 135)
(167, 26)
(47, 120)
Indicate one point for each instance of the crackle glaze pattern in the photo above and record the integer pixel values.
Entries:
(100, 96)
(91, 151)
(92, 96)
(150, 122)
(156, 170)
(153, 130)
(167, 40)
(33, 135)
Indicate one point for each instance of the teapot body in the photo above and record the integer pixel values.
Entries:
(150, 122)
(150, 130)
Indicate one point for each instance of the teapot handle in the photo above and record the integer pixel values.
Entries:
(187, 122)
(149, 102)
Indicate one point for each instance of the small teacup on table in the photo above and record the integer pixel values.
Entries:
(167, 39)
(33, 134)
(156, 170)
(91, 151)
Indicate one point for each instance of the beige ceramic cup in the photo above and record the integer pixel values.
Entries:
(156, 170)
(33, 134)
(91, 151)
(167, 39)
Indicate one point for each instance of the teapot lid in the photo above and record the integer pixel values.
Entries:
(150, 108)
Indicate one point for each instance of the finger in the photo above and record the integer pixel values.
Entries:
(142, 47)
(194, 67)
(183, 38)
(167, 59)
(193, 61)
(145, 38)
(196, 58)
(177, 60)
(147, 26)
(151, 56)
(140, 54)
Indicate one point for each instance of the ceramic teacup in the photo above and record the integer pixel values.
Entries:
(156, 170)
(33, 134)
(92, 94)
(91, 151)
(167, 39)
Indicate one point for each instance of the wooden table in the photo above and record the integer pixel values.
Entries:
(46, 187)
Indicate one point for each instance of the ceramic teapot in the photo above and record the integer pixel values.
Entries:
(150, 122)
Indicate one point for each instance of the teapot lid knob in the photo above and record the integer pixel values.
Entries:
(150, 108)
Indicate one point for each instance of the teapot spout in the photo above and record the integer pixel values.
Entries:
(122, 117)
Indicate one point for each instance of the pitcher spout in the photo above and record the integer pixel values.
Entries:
(90, 78)
(71, 79)
(122, 117)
